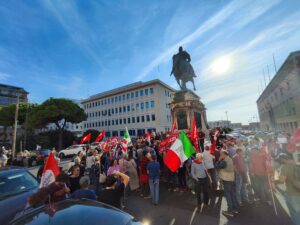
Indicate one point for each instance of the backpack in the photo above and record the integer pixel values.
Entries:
(296, 177)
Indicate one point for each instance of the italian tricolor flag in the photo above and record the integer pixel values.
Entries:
(179, 152)
(126, 140)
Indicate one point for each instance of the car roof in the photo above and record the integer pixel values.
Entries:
(10, 170)
(74, 211)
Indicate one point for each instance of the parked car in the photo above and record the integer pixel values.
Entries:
(70, 151)
(16, 185)
(75, 212)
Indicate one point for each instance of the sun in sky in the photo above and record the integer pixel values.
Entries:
(221, 65)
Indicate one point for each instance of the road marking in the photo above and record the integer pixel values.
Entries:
(193, 215)
(172, 221)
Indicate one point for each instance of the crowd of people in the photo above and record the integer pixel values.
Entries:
(245, 172)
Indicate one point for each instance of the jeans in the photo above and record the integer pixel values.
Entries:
(293, 204)
(230, 195)
(261, 188)
(181, 178)
(201, 187)
(154, 189)
(240, 188)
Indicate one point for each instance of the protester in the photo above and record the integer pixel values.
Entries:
(59, 189)
(208, 160)
(84, 191)
(132, 173)
(288, 175)
(231, 149)
(74, 178)
(182, 177)
(226, 174)
(153, 169)
(201, 136)
(113, 166)
(144, 178)
(112, 193)
(199, 174)
(90, 160)
(240, 177)
(259, 175)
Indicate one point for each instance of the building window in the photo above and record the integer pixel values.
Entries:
(132, 107)
(132, 95)
(105, 122)
(152, 104)
(137, 119)
(102, 123)
(151, 91)
(112, 122)
(128, 120)
(105, 102)
(112, 100)
(141, 93)
(142, 105)
(147, 105)
(108, 112)
(128, 108)
(120, 121)
(116, 109)
(146, 92)
(143, 119)
(124, 120)
(109, 123)
(128, 96)
(124, 108)
(133, 119)
(116, 99)
(137, 106)
(120, 109)
(153, 117)
(137, 94)
(148, 118)
(108, 101)
(124, 97)
(117, 121)
(112, 111)
(120, 98)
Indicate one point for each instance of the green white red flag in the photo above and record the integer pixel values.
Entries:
(126, 140)
(179, 152)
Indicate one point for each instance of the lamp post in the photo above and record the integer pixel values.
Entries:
(15, 128)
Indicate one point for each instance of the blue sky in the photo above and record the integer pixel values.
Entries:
(75, 49)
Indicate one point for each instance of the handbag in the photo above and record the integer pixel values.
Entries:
(102, 176)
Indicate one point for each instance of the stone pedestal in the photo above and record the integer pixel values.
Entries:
(185, 105)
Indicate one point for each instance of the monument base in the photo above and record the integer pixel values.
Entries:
(185, 106)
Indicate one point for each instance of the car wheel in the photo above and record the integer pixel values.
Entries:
(62, 155)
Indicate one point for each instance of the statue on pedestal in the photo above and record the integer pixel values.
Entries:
(182, 69)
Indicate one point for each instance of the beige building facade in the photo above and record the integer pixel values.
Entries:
(141, 107)
(279, 104)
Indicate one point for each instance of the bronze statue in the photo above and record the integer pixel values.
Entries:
(182, 69)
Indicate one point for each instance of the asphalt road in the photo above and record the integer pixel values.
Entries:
(177, 208)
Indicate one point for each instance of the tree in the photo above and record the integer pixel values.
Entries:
(58, 111)
(7, 116)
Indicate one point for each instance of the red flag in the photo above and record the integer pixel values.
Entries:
(291, 146)
(50, 171)
(148, 139)
(167, 142)
(86, 138)
(100, 136)
(174, 127)
(194, 135)
(214, 144)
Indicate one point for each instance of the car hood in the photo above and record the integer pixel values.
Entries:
(12, 205)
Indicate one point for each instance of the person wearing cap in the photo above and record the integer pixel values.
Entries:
(199, 174)
(112, 193)
(226, 174)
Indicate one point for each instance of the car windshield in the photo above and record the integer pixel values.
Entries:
(45, 151)
(15, 183)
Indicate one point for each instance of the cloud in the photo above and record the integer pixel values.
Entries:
(4, 76)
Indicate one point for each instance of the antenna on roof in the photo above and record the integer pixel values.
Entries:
(268, 72)
(264, 77)
(275, 67)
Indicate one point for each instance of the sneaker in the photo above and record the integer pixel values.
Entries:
(235, 211)
(227, 213)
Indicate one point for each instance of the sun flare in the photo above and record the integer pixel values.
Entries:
(221, 65)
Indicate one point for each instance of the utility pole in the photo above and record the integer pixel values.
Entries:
(15, 129)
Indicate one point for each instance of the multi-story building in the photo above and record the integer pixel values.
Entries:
(9, 94)
(141, 107)
(279, 104)
(219, 123)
